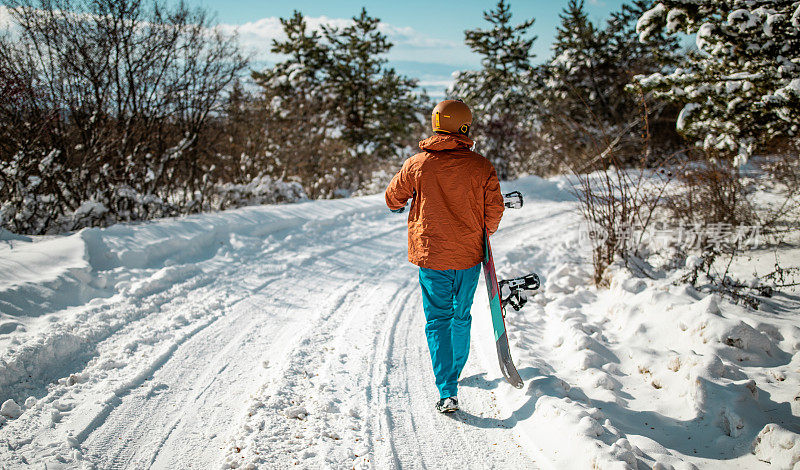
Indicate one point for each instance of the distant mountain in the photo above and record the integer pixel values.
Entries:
(433, 78)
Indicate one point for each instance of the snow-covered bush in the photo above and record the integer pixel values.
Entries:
(741, 87)
(108, 111)
(262, 190)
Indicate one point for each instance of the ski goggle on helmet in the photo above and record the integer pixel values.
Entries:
(451, 117)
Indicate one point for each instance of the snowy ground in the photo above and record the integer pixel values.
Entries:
(277, 336)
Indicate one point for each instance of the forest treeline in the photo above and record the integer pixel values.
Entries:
(124, 110)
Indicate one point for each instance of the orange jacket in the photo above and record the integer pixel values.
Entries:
(455, 195)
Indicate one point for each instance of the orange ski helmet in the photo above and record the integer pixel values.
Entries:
(452, 117)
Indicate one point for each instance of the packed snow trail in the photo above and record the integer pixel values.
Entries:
(309, 323)
(293, 335)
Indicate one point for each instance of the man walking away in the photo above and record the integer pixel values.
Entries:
(454, 194)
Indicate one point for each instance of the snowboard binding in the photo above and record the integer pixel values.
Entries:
(516, 288)
(513, 200)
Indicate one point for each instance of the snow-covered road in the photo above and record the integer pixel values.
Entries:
(292, 335)
(271, 336)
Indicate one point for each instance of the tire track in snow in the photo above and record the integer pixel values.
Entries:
(227, 271)
(81, 403)
(71, 349)
(309, 414)
(127, 456)
(135, 434)
(381, 425)
(80, 432)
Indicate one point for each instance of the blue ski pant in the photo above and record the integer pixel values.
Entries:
(447, 299)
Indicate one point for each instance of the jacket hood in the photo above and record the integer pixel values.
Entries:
(439, 142)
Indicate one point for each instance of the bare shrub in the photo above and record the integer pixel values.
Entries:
(782, 171)
(619, 200)
(714, 197)
(112, 108)
(712, 192)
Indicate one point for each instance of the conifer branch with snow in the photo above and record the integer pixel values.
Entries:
(741, 88)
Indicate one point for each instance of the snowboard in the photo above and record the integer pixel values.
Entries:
(498, 322)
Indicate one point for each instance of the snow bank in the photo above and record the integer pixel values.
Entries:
(59, 267)
(54, 290)
(27, 269)
(778, 446)
(649, 373)
(657, 366)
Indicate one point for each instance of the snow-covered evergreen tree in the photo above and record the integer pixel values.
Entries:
(377, 104)
(628, 53)
(584, 99)
(338, 108)
(741, 88)
(498, 93)
(573, 75)
(295, 112)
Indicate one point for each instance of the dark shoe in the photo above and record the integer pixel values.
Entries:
(447, 405)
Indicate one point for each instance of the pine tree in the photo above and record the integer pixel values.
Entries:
(587, 105)
(297, 110)
(307, 57)
(300, 79)
(335, 109)
(497, 93)
(740, 89)
(631, 55)
(574, 75)
(378, 105)
(506, 49)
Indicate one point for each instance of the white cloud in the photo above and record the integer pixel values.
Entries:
(409, 45)
(414, 54)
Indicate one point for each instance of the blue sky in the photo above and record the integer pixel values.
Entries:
(428, 35)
